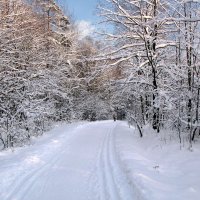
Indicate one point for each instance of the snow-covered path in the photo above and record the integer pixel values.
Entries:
(75, 162)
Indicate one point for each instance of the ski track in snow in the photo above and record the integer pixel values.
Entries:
(80, 163)
(113, 182)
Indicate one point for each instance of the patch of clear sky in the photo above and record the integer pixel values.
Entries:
(81, 9)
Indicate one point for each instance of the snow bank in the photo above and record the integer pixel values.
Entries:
(157, 167)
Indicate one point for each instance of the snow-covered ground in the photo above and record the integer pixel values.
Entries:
(158, 167)
(99, 161)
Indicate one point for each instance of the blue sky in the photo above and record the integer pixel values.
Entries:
(83, 12)
(82, 9)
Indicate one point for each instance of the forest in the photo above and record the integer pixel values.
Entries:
(146, 68)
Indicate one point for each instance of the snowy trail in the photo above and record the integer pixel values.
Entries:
(75, 162)
(113, 182)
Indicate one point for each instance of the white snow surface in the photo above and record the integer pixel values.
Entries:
(99, 161)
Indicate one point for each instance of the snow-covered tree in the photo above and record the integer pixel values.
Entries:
(155, 44)
(35, 69)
